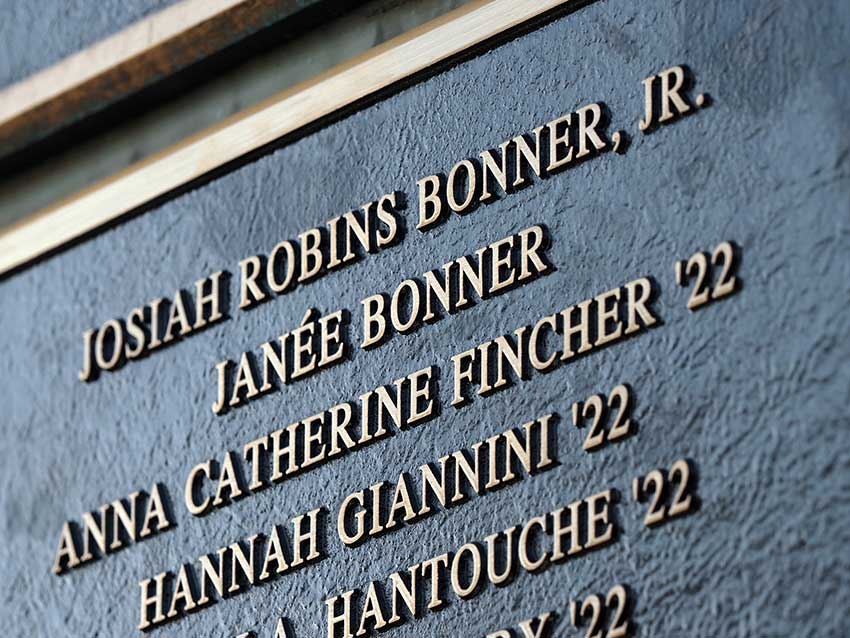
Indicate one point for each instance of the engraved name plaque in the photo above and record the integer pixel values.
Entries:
(548, 340)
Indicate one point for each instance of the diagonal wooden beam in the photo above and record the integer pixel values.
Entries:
(128, 62)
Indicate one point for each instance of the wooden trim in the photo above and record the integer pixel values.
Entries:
(129, 61)
(107, 55)
(281, 115)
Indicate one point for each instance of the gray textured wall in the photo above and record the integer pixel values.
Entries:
(753, 389)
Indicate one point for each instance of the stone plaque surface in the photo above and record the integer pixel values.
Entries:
(693, 427)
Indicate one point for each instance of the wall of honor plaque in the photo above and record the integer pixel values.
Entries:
(547, 338)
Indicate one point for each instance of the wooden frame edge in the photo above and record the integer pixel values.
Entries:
(277, 117)
(134, 59)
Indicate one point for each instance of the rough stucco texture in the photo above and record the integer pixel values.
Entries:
(753, 389)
